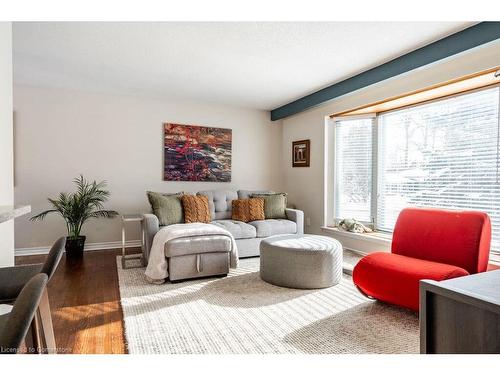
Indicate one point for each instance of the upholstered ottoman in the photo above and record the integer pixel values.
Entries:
(301, 261)
(194, 257)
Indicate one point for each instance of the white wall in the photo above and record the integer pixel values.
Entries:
(6, 143)
(60, 134)
(305, 185)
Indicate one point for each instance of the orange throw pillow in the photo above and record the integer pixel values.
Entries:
(196, 209)
(248, 209)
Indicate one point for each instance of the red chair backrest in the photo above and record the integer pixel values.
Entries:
(459, 238)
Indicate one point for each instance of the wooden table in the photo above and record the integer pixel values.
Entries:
(461, 315)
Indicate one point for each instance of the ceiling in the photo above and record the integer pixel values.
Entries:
(256, 65)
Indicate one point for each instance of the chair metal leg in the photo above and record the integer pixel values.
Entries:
(46, 324)
(364, 294)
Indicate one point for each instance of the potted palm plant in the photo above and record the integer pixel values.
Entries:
(78, 207)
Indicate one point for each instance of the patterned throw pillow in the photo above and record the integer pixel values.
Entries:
(274, 205)
(248, 209)
(196, 209)
(167, 207)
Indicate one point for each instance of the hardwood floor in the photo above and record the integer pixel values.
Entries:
(85, 303)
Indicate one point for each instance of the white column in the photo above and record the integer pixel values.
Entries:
(6, 143)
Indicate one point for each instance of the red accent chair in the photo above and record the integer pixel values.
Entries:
(427, 244)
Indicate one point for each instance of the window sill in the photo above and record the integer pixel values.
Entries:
(375, 237)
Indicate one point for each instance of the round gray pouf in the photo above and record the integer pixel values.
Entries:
(301, 261)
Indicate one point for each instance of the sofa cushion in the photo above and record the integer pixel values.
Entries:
(197, 245)
(394, 278)
(238, 229)
(248, 209)
(167, 207)
(245, 194)
(220, 202)
(274, 205)
(271, 227)
(195, 209)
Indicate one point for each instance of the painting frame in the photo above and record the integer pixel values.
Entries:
(301, 153)
(196, 153)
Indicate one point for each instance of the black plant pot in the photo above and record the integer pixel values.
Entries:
(74, 247)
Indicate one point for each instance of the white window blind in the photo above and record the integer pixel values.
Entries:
(441, 154)
(353, 169)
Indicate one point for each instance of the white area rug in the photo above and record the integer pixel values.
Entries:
(243, 314)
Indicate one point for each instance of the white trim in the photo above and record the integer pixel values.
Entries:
(328, 170)
(375, 173)
(329, 160)
(376, 237)
(354, 117)
(88, 247)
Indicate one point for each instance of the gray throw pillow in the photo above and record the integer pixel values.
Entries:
(274, 205)
(245, 194)
(167, 207)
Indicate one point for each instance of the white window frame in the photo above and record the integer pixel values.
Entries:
(376, 152)
(373, 117)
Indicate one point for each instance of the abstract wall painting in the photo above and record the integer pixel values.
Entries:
(196, 153)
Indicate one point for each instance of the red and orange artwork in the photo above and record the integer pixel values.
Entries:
(196, 153)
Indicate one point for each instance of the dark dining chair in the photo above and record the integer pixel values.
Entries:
(14, 326)
(12, 281)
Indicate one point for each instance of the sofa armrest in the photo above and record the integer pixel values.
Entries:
(150, 226)
(298, 217)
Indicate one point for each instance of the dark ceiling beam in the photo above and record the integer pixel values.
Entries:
(481, 33)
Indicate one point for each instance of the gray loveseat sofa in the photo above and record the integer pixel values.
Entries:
(247, 235)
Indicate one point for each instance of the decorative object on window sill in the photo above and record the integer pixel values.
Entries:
(76, 208)
(352, 225)
(196, 153)
(301, 152)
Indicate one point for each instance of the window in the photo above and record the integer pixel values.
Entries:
(353, 182)
(443, 154)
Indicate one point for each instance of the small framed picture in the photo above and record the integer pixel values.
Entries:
(301, 152)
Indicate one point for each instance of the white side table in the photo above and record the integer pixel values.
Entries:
(127, 219)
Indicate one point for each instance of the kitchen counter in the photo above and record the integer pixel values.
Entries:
(11, 212)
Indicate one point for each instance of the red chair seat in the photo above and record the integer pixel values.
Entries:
(394, 278)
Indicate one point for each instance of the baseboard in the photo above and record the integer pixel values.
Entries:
(88, 247)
